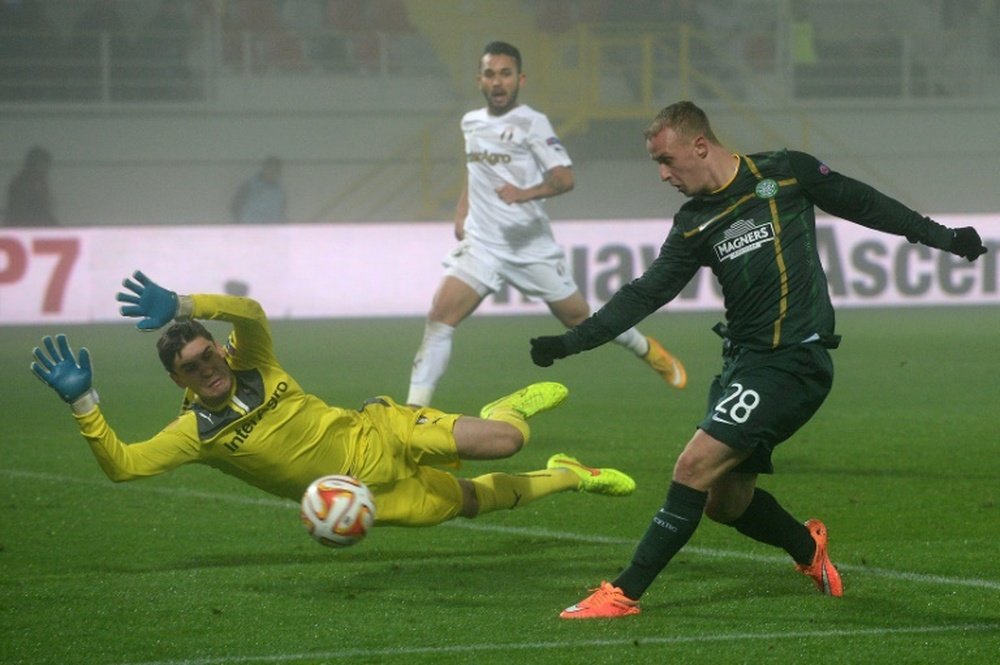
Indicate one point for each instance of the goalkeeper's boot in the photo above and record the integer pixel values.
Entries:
(606, 602)
(610, 482)
(665, 365)
(528, 401)
(821, 570)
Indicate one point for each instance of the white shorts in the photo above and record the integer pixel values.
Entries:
(549, 280)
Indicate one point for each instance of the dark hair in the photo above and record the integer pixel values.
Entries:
(176, 337)
(685, 118)
(503, 48)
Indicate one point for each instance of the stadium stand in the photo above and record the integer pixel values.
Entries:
(357, 93)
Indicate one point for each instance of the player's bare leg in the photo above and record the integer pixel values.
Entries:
(478, 439)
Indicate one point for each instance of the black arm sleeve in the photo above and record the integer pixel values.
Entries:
(662, 281)
(850, 199)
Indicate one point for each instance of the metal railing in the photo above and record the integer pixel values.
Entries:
(171, 66)
(594, 71)
(617, 67)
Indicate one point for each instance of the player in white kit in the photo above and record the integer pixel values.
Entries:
(514, 161)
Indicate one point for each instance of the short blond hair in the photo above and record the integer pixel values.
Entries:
(685, 118)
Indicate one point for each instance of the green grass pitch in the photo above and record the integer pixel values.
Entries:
(196, 568)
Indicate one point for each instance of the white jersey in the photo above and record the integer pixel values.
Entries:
(517, 148)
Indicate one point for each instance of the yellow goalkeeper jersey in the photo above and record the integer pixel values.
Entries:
(269, 433)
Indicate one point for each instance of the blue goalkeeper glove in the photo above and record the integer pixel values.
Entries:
(156, 305)
(60, 370)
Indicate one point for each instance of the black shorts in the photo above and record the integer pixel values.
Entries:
(762, 398)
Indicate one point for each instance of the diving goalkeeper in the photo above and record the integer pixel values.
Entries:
(244, 415)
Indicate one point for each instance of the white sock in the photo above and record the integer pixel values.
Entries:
(430, 362)
(634, 341)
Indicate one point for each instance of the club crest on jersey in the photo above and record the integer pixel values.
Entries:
(766, 189)
(507, 135)
(743, 236)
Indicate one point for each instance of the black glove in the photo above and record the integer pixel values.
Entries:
(966, 243)
(546, 350)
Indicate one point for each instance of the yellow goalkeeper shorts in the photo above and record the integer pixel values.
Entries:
(396, 459)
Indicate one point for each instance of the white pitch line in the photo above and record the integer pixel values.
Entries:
(729, 554)
(537, 532)
(403, 652)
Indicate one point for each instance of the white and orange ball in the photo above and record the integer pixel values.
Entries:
(338, 511)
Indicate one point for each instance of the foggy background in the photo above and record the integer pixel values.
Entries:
(155, 112)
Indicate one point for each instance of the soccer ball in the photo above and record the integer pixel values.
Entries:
(337, 511)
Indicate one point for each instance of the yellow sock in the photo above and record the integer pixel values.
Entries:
(498, 491)
(512, 417)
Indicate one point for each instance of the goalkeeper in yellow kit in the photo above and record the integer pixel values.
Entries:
(243, 414)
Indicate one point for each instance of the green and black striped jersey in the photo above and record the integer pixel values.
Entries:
(758, 236)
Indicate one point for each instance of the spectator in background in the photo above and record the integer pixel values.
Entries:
(261, 198)
(29, 202)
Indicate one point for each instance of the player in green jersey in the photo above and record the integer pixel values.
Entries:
(751, 219)
(244, 415)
